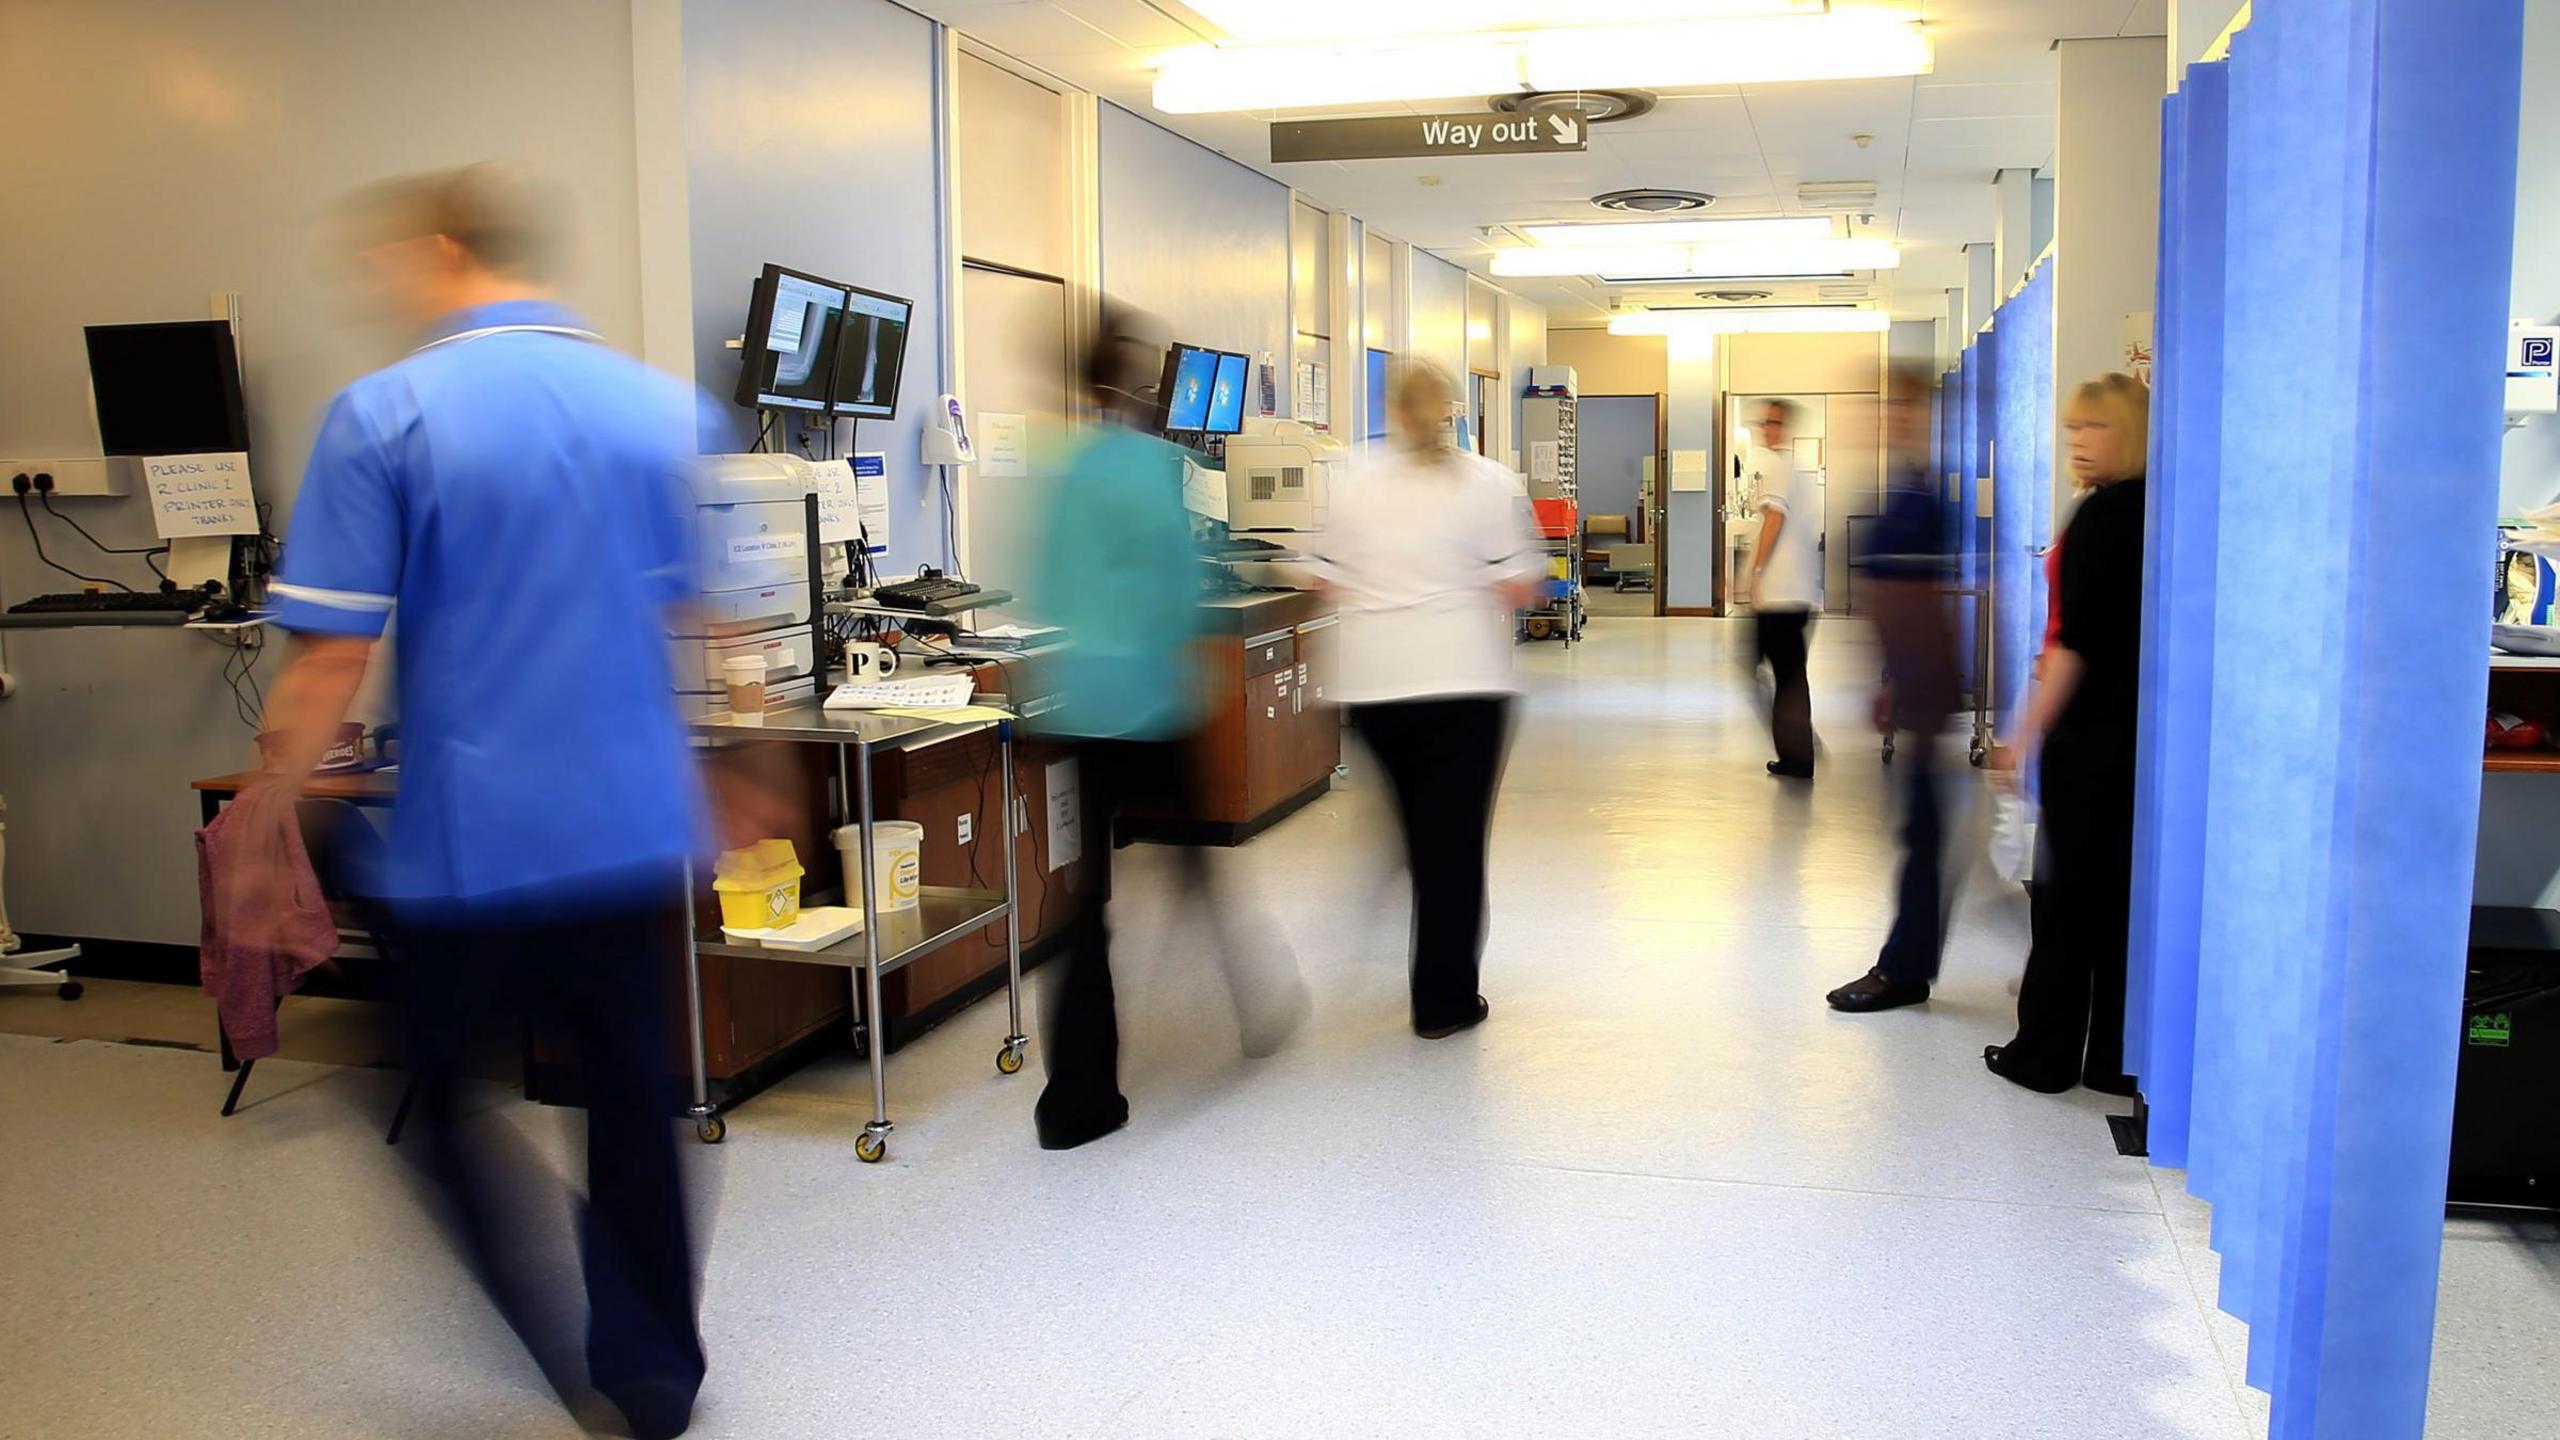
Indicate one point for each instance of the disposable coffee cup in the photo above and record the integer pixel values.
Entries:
(745, 674)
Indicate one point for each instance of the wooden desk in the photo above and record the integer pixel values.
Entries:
(370, 787)
(1272, 736)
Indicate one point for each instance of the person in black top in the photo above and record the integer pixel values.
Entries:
(1906, 569)
(2081, 723)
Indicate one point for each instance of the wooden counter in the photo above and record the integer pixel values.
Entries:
(1272, 736)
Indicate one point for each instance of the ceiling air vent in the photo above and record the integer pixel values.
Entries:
(1737, 297)
(1649, 200)
(1837, 195)
(1599, 107)
(1843, 292)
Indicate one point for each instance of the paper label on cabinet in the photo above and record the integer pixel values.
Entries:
(1066, 816)
(756, 549)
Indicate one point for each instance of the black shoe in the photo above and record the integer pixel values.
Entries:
(1875, 991)
(1997, 1060)
(1785, 771)
(654, 1409)
(1443, 1032)
(1064, 1129)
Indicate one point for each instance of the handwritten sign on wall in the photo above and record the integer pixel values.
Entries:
(200, 495)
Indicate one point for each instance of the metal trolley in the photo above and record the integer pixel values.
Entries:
(942, 914)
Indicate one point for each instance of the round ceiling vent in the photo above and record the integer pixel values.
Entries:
(1737, 297)
(1599, 107)
(1649, 200)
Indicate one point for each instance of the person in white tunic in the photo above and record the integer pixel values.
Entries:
(1431, 552)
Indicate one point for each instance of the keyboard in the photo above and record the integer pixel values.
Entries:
(149, 607)
(923, 593)
(930, 692)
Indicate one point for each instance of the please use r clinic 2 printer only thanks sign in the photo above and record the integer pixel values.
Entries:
(200, 495)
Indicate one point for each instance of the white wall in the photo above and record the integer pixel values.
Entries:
(2106, 206)
(1196, 239)
(1438, 315)
(177, 149)
(2193, 27)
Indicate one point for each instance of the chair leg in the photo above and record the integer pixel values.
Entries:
(400, 1116)
(239, 1082)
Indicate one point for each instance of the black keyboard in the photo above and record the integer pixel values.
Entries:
(111, 602)
(923, 594)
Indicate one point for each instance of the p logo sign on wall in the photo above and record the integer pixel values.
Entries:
(2533, 369)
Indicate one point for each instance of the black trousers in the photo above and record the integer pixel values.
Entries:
(1444, 760)
(1918, 939)
(1082, 1041)
(600, 980)
(1782, 637)
(2071, 1002)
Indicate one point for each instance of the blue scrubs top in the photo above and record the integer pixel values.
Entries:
(1116, 567)
(512, 490)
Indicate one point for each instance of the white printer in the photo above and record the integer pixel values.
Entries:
(1279, 477)
(748, 526)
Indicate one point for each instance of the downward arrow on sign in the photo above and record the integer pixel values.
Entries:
(1568, 132)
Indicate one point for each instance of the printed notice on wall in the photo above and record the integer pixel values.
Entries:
(871, 497)
(200, 495)
(1004, 446)
(1546, 461)
(1066, 816)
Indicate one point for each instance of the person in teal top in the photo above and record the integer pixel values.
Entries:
(1115, 565)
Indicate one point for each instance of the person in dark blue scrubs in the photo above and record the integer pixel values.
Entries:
(510, 491)
(1906, 574)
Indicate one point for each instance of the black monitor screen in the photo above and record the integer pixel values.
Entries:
(170, 389)
(1226, 395)
(791, 341)
(1191, 376)
(871, 353)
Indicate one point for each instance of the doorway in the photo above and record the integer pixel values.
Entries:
(1618, 465)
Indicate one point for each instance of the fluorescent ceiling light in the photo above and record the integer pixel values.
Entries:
(1684, 323)
(1269, 20)
(1678, 232)
(1750, 261)
(1847, 44)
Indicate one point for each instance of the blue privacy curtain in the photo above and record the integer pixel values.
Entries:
(2338, 219)
(2022, 486)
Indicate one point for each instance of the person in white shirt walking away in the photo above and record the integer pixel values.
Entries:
(1786, 581)
(1431, 553)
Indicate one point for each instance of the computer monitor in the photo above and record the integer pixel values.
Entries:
(167, 389)
(871, 354)
(1190, 374)
(1226, 395)
(792, 325)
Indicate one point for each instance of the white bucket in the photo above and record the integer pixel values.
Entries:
(897, 863)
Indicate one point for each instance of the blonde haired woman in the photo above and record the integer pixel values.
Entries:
(1430, 551)
(2079, 728)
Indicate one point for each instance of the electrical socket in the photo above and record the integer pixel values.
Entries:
(968, 826)
(95, 477)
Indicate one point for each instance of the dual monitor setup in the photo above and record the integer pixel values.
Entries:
(1203, 391)
(823, 348)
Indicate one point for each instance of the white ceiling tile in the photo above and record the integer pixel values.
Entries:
(1971, 102)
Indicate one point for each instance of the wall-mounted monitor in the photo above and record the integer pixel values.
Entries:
(1190, 374)
(792, 331)
(168, 389)
(871, 354)
(1226, 394)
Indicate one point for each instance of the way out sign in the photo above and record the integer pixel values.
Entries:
(1408, 137)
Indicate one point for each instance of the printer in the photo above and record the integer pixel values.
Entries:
(1280, 476)
(747, 525)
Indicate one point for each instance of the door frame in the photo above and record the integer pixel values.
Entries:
(1656, 518)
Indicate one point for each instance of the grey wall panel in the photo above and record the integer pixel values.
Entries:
(1195, 239)
(1440, 313)
(180, 149)
(809, 143)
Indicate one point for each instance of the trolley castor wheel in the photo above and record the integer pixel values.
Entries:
(710, 1128)
(1009, 1059)
(1978, 754)
(870, 1149)
(1541, 627)
(68, 989)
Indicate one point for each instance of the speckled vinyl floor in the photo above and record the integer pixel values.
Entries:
(1663, 1193)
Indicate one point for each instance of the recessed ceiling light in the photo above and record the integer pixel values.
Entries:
(1270, 20)
(1745, 260)
(1653, 200)
(1789, 320)
(1679, 232)
(1596, 107)
(1759, 49)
